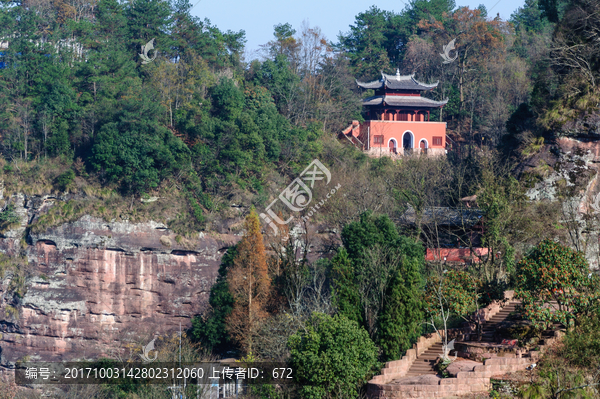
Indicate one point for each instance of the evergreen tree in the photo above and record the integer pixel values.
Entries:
(211, 330)
(345, 289)
(134, 150)
(367, 232)
(147, 20)
(377, 281)
(249, 285)
(400, 323)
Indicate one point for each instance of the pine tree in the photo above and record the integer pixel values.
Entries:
(249, 284)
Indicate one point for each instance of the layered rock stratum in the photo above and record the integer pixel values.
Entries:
(94, 287)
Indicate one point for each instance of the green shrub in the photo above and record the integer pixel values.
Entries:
(65, 180)
(8, 217)
(442, 366)
(332, 358)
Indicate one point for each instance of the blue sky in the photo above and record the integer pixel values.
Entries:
(257, 18)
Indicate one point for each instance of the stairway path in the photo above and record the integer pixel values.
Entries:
(491, 325)
(425, 363)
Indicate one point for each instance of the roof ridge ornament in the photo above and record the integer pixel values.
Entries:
(397, 82)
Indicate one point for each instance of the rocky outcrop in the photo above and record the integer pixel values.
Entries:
(93, 286)
(567, 171)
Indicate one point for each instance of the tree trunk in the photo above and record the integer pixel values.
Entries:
(250, 321)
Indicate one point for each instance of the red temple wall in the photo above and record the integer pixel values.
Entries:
(371, 133)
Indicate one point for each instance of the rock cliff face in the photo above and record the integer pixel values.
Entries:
(92, 286)
(568, 172)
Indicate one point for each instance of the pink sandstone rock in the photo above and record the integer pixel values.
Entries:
(96, 286)
(461, 365)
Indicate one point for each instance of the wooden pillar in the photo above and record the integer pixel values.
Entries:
(427, 116)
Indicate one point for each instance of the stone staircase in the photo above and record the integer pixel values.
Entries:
(424, 363)
(476, 379)
(414, 375)
(490, 326)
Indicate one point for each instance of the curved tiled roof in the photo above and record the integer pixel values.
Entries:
(397, 82)
(404, 101)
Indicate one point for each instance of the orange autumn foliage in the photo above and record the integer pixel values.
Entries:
(249, 284)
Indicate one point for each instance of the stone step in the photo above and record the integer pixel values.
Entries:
(421, 371)
(409, 374)
(438, 350)
(502, 316)
(421, 368)
(429, 356)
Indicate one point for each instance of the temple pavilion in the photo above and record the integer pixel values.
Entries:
(398, 119)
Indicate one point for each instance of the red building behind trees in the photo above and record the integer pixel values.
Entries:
(398, 119)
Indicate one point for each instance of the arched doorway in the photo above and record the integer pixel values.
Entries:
(408, 141)
(393, 146)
